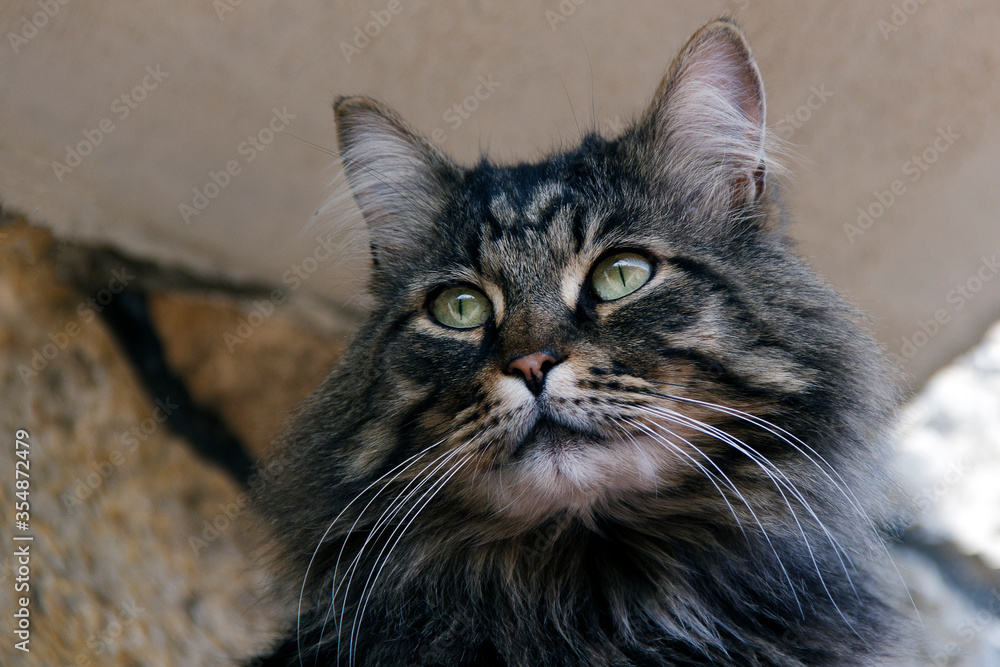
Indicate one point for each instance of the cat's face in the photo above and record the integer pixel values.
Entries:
(558, 329)
(544, 332)
(611, 321)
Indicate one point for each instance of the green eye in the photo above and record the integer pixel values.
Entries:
(461, 307)
(620, 274)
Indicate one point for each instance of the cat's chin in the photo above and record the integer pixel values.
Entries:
(559, 469)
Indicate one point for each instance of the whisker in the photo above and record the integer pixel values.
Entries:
(401, 468)
(670, 446)
(373, 576)
(791, 439)
(392, 509)
(762, 461)
(779, 481)
(736, 490)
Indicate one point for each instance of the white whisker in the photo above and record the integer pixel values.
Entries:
(781, 482)
(392, 509)
(401, 467)
(373, 576)
(736, 490)
(808, 452)
(791, 440)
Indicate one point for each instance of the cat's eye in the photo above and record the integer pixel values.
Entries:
(461, 307)
(620, 274)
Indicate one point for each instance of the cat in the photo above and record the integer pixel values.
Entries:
(600, 413)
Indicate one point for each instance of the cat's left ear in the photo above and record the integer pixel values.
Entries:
(398, 178)
(706, 122)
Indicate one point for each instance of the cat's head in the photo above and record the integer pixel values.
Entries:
(621, 319)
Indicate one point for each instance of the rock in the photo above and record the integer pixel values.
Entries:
(949, 464)
(251, 375)
(136, 556)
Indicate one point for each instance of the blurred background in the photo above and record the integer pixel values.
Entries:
(161, 164)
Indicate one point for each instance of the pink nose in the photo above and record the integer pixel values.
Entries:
(533, 367)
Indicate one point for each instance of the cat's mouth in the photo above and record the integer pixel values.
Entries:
(550, 435)
(559, 467)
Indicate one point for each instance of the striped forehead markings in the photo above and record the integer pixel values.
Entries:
(544, 200)
(548, 218)
(502, 211)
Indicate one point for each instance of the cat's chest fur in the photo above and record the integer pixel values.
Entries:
(600, 413)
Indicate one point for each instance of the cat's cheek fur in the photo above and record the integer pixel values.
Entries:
(502, 418)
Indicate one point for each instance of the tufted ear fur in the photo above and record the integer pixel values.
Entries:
(398, 179)
(706, 122)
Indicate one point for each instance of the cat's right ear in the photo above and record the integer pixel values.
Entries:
(399, 180)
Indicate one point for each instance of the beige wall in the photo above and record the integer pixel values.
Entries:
(889, 96)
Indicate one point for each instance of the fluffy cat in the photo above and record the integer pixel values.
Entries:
(600, 413)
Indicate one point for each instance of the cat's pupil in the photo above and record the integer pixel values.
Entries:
(619, 275)
(461, 307)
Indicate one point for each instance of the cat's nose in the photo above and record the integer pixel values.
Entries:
(533, 367)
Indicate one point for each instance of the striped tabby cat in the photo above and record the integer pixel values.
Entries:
(600, 413)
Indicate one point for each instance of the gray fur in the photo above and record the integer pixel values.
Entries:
(701, 480)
